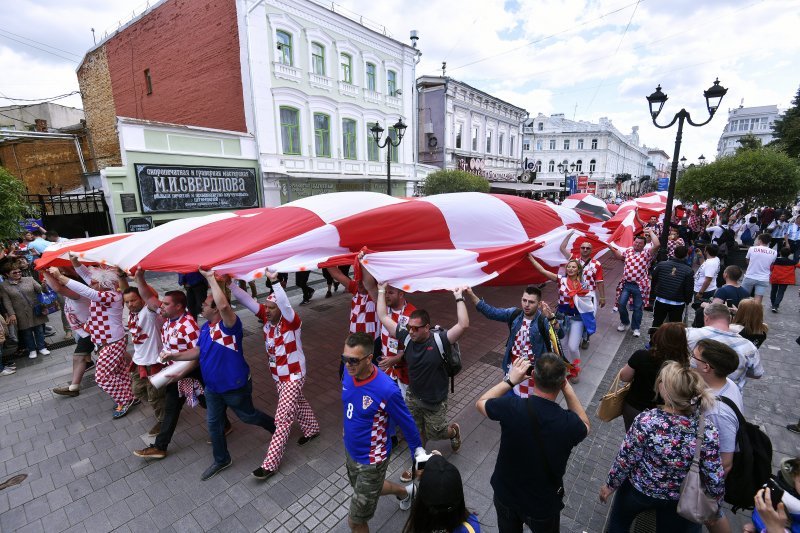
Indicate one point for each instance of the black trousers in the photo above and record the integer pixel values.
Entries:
(673, 313)
(195, 296)
(301, 280)
(510, 520)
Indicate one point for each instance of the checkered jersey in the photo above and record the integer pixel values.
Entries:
(363, 317)
(592, 272)
(636, 266)
(671, 245)
(696, 222)
(284, 347)
(390, 345)
(105, 318)
(220, 337)
(377, 437)
(180, 334)
(522, 348)
(77, 313)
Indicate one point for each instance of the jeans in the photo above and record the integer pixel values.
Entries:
(511, 520)
(672, 313)
(776, 294)
(630, 289)
(241, 402)
(629, 502)
(794, 246)
(33, 338)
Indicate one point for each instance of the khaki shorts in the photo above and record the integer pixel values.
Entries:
(367, 483)
(431, 423)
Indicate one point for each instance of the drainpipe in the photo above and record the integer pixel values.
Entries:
(255, 107)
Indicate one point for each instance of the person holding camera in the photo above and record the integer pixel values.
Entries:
(537, 436)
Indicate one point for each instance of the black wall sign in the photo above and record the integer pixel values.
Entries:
(167, 188)
(134, 224)
(128, 201)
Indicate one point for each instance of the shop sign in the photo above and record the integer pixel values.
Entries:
(168, 188)
(583, 182)
(591, 187)
(135, 224)
(477, 166)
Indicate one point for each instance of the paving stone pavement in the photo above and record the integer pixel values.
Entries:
(82, 475)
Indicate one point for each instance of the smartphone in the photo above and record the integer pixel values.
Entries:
(530, 369)
(775, 492)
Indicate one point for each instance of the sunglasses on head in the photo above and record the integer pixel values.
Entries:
(352, 361)
(414, 329)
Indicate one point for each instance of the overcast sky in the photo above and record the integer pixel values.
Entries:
(584, 58)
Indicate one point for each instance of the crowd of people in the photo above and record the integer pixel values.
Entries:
(685, 399)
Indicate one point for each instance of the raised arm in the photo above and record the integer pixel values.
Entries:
(369, 281)
(546, 273)
(80, 268)
(339, 276)
(281, 299)
(564, 245)
(148, 294)
(222, 303)
(380, 308)
(454, 333)
(243, 297)
(654, 239)
(54, 282)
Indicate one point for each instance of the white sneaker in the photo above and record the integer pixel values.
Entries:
(405, 503)
(44, 351)
(7, 371)
(637, 333)
(623, 327)
(32, 354)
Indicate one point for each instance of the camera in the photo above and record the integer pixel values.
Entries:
(775, 492)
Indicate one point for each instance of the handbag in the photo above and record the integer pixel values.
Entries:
(38, 309)
(49, 300)
(611, 403)
(694, 504)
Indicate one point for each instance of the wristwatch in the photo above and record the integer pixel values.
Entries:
(508, 381)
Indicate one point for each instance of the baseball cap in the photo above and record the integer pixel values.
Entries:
(440, 488)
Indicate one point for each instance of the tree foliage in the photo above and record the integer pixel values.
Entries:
(13, 207)
(444, 181)
(787, 129)
(748, 142)
(756, 177)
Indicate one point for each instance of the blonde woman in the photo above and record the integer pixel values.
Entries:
(749, 322)
(657, 451)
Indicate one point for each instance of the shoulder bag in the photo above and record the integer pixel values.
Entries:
(694, 504)
(611, 404)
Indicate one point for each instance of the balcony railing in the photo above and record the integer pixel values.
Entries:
(287, 72)
(348, 89)
(322, 82)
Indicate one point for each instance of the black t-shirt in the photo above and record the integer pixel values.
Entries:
(427, 376)
(731, 295)
(520, 479)
(641, 395)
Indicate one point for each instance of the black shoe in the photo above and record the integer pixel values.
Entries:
(305, 440)
(328, 294)
(794, 428)
(263, 473)
(774, 309)
(395, 441)
(305, 302)
(215, 469)
(584, 344)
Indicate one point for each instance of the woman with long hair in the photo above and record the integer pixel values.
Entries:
(749, 322)
(667, 344)
(439, 505)
(659, 449)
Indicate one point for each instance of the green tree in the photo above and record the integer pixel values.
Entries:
(748, 142)
(787, 129)
(756, 177)
(13, 207)
(444, 181)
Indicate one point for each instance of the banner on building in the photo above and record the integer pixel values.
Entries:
(168, 188)
(572, 184)
(477, 166)
(663, 184)
(591, 187)
(583, 182)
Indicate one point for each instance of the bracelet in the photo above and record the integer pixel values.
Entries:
(381, 291)
(459, 299)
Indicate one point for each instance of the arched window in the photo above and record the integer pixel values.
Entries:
(591, 165)
(284, 48)
(347, 68)
(318, 59)
(539, 166)
(551, 166)
(579, 165)
(594, 144)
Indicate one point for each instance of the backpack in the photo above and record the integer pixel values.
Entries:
(726, 241)
(451, 358)
(752, 464)
(747, 235)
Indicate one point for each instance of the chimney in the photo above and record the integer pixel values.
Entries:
(41, 125)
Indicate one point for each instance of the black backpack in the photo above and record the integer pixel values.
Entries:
(752, 464)
(726, 241)
(451, 357)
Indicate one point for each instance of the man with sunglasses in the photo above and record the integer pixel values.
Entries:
(592, 275)
(426, 396)
(369, 400)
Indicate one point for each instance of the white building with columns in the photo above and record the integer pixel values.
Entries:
(604, 157)
(756, 121)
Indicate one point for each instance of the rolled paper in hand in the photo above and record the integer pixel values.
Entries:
(176, 368)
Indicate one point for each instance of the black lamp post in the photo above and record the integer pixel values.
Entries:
(565, 169)
(701, 160)
(388, 143)
(713, 97)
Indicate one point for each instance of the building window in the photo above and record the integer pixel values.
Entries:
(322, 135)
(550, 184)
(579, 166)
(348, 138)
(391, 82)
(526, 145)
(459, 131)
(580, 144)
(566, 144)
(371, 77)
(372, 146)
(475, 132)
(539, 145)
(393, 150)
(552, 144)
(551, 166)
(147, 81)
(541, 126)
(512, 146)
(284, 48)
(500, 140)
(488, 141)
(347, 68)
(290, 130)
(592, 165)
(318, 59)
(539, 166)
(594, 144)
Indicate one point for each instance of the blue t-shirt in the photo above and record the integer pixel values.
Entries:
(731, 295)
(222, 360)
(40, 245)
(472, 520)
(367, 407)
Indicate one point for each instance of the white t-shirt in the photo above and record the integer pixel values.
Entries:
(146, 337)
(709, 269)
(77, 313)
(760, 260)
(724, 418)
(715, 232)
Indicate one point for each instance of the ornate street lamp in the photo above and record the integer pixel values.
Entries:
(388, 143)
(565, 169)
(713, 97)
(701, 160)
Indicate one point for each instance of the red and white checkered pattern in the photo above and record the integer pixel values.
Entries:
(390, 345)
(112, 374)
(671, 245)
(378, 435)
(363, 316)
(592, 272)
(222, 338)
(77, 313)
(105, 318)
(180, 335)
(635, 270)
(284, 348)
(292, 405)
(522, 348)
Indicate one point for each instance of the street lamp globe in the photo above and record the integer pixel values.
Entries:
(714, 96)
(376, 131)
(657, 101)
(401, 128)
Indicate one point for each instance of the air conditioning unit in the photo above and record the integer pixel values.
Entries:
(428, 128)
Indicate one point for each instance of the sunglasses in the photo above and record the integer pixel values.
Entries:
(414, 329)
(14, 271)
(353, 361)
(586, 247)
